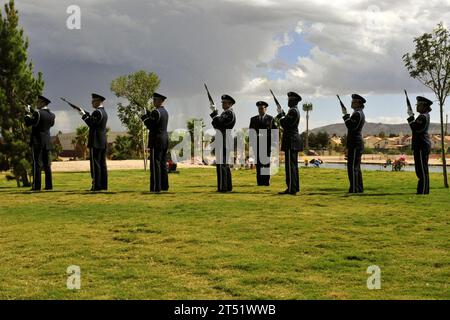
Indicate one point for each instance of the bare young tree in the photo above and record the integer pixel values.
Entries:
(430, 64)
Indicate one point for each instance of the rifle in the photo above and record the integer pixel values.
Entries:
(344, 109)
(279, 108)
(408, 103)
(211, 101)
(81, 110)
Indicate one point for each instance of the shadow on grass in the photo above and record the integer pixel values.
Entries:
(347, 195)
(323, 193)
(197, 187)
(149, 193)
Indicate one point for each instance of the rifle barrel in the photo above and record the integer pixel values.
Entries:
(211, 101)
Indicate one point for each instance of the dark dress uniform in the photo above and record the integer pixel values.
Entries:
(158, 143)
(41, 121)
(97, 144)
(421, 146)
(262, 126)
(223, 124)
(355, 148)
(291, 144)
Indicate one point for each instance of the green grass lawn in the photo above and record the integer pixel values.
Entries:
(193, 243)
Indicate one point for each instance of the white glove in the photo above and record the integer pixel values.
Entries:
(28, 108)
(344, 111)
(410, 113)
(81, 112)
(213, 108)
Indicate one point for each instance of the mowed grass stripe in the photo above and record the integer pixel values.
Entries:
(193, 243)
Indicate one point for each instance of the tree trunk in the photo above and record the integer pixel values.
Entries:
(444, 160)
(307, 130)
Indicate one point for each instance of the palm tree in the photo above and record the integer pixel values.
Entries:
(307, 107)
(81, 139)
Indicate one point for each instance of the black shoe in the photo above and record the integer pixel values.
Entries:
(35, 190)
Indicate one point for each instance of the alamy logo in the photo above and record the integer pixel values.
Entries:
(374, 281)
(73, 22)
(73, 278)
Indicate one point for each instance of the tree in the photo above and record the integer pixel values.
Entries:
(322, 140)
(81, 139)
(138, 89)
(307, 107)
(121, 148)
(430, 64)
(57, 147)
(18, 87)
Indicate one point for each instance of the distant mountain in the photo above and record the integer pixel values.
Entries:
(375, 128)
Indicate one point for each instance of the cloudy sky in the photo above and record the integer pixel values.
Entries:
(317, 48)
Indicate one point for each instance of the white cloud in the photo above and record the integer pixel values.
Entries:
(386, 120)
(357, 45)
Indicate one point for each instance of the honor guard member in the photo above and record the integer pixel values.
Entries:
(97, 142)
(41, 120)
(261, 137)
(291, 142)
(224, 143)
(421, 144)
(158, 143)
(355, 142)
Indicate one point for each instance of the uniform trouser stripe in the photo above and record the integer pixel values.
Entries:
(424, 176)
(34, 168)
(153, 173)
(290, 172)
(91, 153)
(353, 170)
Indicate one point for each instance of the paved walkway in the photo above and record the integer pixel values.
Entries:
(81, 166)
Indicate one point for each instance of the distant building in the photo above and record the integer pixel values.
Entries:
(372, 141)
(436, 142)
(375, 142)
(70, 151)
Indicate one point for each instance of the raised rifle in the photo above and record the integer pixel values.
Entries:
(80, 110)
(211, 101)
(343, 108)
(408, 103)
(279, 108)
